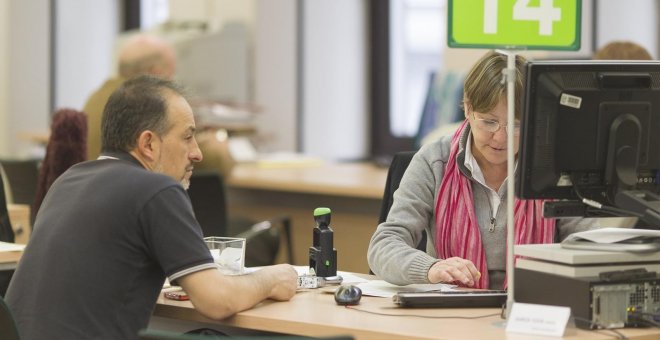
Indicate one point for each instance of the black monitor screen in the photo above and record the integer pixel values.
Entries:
(589, 129)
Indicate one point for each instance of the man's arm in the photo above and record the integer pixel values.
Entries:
(218, 296)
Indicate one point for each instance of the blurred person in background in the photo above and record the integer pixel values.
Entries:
(67, 145)
(145, 54)
(622, 50)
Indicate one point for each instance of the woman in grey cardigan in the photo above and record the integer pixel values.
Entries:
(455, 189)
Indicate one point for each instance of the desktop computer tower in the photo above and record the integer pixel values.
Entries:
(594, 303)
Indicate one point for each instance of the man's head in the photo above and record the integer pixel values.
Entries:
(147, 54)
(149, 118)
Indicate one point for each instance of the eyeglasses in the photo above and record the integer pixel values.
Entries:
(493, 126)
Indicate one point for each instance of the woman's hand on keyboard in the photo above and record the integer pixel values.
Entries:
(454, 269)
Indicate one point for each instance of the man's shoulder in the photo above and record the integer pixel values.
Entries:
(141, 174)
(125, 173)
(101, 95)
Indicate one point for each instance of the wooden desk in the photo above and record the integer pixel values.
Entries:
(312, 313)
(19, 215)
(353, 191)
(36, 137)
(9, 259)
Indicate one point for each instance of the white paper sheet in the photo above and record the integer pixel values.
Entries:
(346, 276)
(613, 235)
(381, 288)
(6, 246)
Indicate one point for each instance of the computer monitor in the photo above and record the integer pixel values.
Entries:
(591, 129)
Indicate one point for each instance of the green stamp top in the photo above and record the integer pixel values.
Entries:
(321, 211)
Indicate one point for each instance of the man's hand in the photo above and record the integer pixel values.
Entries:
(454, 269)
(218, 296)
(284, 281)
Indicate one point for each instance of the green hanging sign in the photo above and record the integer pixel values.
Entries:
(515, 24)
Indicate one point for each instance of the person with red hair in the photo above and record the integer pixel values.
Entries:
(67, 145)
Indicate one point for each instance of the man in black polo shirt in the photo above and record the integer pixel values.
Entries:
(110, 230)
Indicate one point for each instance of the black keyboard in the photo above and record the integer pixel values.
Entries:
(451, 299)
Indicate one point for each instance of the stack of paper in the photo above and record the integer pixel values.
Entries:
(615, 239)
(587, 254)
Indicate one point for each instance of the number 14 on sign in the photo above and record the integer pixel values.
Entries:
(545, 14)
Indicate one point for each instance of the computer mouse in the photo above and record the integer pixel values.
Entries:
(348, 295)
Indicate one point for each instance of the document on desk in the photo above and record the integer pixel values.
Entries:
(615, 239)
(6, 246)
(613, 235)
(380, 288)
(346, 276)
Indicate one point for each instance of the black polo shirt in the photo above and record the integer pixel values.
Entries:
(106, 236)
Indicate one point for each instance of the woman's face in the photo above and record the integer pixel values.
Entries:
(489, 137)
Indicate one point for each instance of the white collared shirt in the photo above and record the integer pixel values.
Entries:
(472, 165)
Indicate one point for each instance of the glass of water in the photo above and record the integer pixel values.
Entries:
(228, 253)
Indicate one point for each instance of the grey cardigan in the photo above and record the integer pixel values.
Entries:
(392, 254)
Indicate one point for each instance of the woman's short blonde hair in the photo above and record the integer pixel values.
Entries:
(484, 88)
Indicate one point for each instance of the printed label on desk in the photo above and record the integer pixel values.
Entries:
(529, 318)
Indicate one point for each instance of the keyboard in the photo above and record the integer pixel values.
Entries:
(451, 299)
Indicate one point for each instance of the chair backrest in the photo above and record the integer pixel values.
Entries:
(22, 179)
(150, 334)
(397, 168)
(8, 327)
(6, 231)
(207, 195)
(262, 242)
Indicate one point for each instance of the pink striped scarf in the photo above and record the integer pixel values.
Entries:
(457, 230)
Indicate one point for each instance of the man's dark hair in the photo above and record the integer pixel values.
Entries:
(139, 104)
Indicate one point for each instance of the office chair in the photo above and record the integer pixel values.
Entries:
(6, 231)
(22, 179)
(263, 241)
(8, 327)
(208, 197)
(149, 334)
(397, 168)
(6, 235)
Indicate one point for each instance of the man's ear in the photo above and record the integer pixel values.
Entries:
(148, 145)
